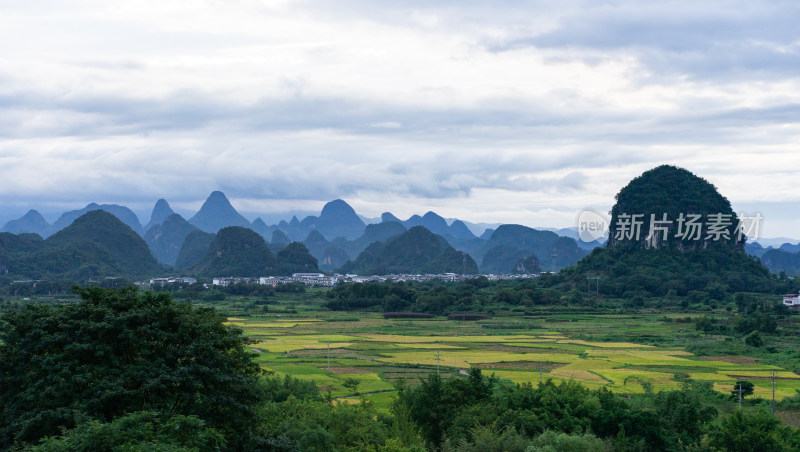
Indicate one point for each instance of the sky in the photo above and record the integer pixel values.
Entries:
(501, 112)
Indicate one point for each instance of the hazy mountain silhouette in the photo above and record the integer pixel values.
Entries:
(161, 211)
(32, 222)
(338, 219)
(217, 213)
(125, 214)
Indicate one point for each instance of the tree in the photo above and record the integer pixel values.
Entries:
(119, 351)
(352, 384)
(752, 432)
(138, 431)
(754, 339)
(747, 388)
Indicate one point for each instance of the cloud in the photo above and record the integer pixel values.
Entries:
(513, 110)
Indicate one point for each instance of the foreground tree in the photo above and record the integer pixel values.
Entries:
(145, 431)
(119, 351)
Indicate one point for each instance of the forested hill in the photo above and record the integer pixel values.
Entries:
(707, 268)
(415, 251)
(97, 244)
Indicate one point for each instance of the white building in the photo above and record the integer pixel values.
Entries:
(225, 282)
(792, 300)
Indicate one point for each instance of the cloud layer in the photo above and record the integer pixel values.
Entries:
(524, 111)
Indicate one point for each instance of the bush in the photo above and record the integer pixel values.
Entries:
(754, 339)
(468, 317)
(407, 315)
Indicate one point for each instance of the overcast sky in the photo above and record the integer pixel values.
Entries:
(511, 111)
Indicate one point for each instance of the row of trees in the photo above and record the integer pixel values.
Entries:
(478, 295)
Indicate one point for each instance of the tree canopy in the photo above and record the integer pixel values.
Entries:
(119, 351)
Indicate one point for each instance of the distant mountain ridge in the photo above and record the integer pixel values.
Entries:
(32, 222)
(333, 237)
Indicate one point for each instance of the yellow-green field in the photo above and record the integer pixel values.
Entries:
(378, 352)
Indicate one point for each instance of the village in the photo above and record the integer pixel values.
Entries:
(323, 280)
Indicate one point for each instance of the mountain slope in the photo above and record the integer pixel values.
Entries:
(237, 251)
(95, 245)
(435, 223)
(459, 230)
(704, 269)
(553, 251)
(504, 259)
(166, 239)
(415, 251)
(161, 211)
(338, 219)
(295, 258)
(125, 214)
(217, 213)
(194, 249)
(32, 222)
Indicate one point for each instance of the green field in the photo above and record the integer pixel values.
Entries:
(625, 354)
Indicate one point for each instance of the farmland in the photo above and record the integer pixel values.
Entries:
(627, 354)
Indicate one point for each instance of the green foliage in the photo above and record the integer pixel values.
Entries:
(237, 251)
(626, 271)
(746, 386)
(118, 351)
(463, 413)
(756, 322)
(194, 249)
(551, 441)
(485, 438)
(140, 431)
(758, 431)
(351, 384)
(754, 339)
(311, 425)
(505, 258)
(278, 389)
(295, 258)
(673, 191)
(474, 295)
(166, 239)
(95, 245)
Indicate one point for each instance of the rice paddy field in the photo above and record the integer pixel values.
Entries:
(621, 353)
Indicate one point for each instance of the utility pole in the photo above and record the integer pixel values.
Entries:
(772, 374)
(540, 372)
(740, 396)
(329, 356)
(437, 362)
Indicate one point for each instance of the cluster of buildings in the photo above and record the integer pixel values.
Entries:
(322, 280)
(175, 280)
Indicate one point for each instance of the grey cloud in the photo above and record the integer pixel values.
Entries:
(704, 39)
